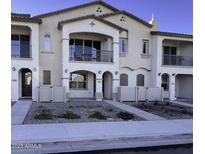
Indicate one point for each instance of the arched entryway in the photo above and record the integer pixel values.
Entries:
(82, 84)
(25, 83)
(107, 85)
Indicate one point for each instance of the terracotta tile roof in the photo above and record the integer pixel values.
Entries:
(24, 18)
(60, 24)
(171, 34)
(129, 15)
(77, 7)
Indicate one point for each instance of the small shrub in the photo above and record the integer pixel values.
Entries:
(98, 115)
(155, 103)
(110, 110)
(125, 115)
(43, 113)
(70, 115)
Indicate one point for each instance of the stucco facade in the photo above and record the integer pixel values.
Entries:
(97, 22)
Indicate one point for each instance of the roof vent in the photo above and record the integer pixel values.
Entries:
(122, 18)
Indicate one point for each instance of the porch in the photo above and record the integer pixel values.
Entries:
(177, 53)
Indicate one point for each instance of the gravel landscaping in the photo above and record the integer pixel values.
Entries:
(76, 112)
(164, 109)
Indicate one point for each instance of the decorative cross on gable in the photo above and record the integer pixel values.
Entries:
(92, 24)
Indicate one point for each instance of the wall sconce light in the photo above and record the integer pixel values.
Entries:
(116, 73)
(13, 69)
(66, 71)
(159, 74)
(173, 74)
(34, 69)
(99, 72)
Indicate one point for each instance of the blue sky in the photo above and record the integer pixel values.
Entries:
(173, 15)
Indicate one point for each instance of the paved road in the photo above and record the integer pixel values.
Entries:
(177, 149)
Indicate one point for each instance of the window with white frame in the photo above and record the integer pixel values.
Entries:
(145, 46)
(123, 79)
(140, 80)
(78, 81)
(165, 82)
(47, 43)
(123, 45)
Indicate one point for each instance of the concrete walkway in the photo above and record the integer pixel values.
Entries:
(19, 111)
(136, 111)
(44, 133)
(182, 103)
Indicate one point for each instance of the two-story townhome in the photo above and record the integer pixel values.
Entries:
(94, 48)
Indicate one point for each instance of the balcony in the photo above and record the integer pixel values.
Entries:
(78, 53)
(177, 60)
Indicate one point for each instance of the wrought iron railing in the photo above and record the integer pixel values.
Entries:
(92, 55)
(177, 60)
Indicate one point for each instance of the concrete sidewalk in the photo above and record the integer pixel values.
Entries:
(182, 104)
(19, 111)
(44, 133)
(136, 111)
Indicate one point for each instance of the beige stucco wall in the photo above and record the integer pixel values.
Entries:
(53, 61)
(136, 33)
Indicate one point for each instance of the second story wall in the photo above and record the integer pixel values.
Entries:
(53, 60)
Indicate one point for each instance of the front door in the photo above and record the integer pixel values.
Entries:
(26, 83)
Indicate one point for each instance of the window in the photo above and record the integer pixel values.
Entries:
(123, 45)
(145, 46)
(20, 46)
(123, 80)
(165, 82)
(84, 50)
(170, 57)
(78, 81)
(47, 77)
(47, 43)
(140, 80)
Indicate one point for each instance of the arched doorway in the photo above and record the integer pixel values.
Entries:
(25, 76)
(82, 84)
(107, 85)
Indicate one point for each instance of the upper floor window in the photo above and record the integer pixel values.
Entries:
(145, 46)
(78, 81)
(140, 80)
(46, 77)
(123, 80)
(20, 46)
(47, 43)
(123, 45)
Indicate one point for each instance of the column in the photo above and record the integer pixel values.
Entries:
(65, 59)
(172, 87)
(115, 85)
(98, 87)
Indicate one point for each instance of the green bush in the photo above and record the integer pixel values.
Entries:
(125, 115)
(110, 110)
(98, 115)
(43, 113)
(70, 115)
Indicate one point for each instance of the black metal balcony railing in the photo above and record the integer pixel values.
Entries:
(14, 55)
(177, 60)
(92, 55)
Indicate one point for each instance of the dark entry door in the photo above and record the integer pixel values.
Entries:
(26, 83)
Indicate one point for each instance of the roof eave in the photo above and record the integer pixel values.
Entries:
(61, 23)
(76, 7)
(171, 34)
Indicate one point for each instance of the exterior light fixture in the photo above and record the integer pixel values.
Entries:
(66, 71)
(13, 69)
(173, 74)
(99, 72)
(116, 73)
(159, 74)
